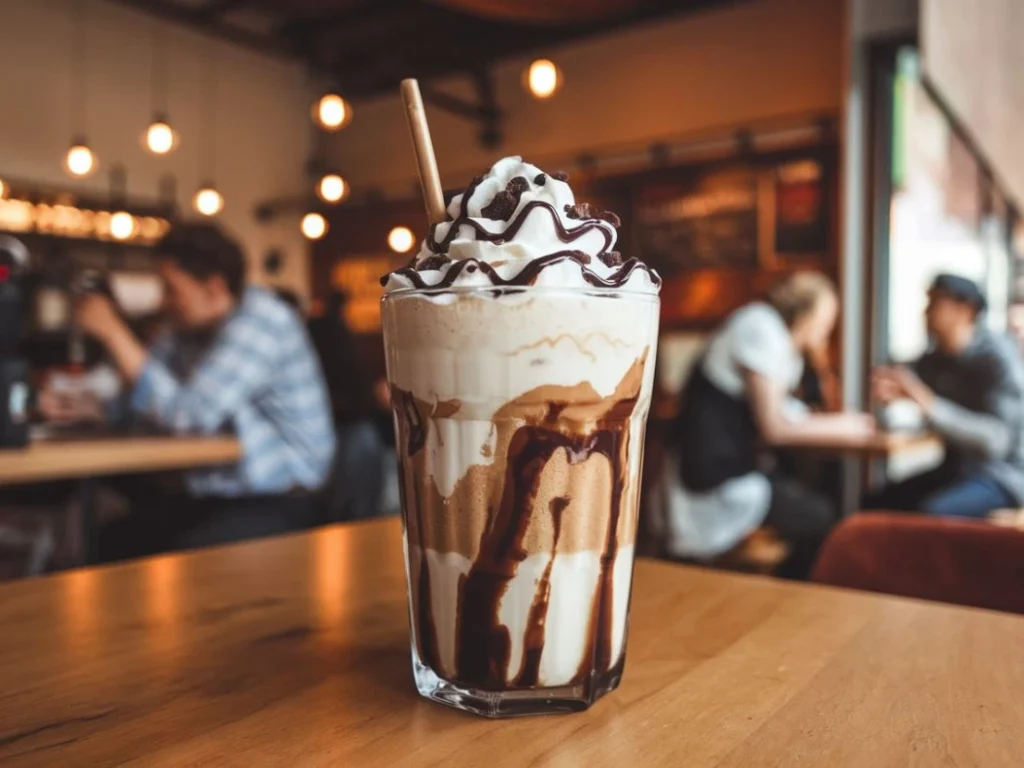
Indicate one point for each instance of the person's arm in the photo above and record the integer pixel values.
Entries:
(778, 428)
(241, 362)
(988, 432)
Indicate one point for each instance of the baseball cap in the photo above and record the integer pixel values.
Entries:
(960, 289)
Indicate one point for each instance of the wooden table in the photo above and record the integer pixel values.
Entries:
(882, 445)
(63, 459)
(294, 652)
(83, 459)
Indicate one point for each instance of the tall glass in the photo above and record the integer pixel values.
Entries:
(520, 417)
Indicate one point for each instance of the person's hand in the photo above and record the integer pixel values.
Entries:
(913, 388)
(885, 386)
(68, 407)
(95, 314)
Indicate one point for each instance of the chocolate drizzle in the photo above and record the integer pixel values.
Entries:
(483, 644)
(536, 622)
(528, 275)
(412, 435)
(567, 236)
(503, 208)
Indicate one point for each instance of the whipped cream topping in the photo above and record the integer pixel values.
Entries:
(519, 226)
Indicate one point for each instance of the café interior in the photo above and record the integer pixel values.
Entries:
(751, 151)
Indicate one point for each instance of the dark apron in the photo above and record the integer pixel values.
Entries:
(715, 433)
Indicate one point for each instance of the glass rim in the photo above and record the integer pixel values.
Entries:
(486, 290)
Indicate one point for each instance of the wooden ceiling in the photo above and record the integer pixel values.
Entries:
(364, 47)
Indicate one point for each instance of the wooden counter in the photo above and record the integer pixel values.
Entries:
(294, 651)
(61, 459)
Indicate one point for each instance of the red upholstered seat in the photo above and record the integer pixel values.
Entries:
(964, 562)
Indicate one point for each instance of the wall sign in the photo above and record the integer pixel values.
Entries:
(359, 278)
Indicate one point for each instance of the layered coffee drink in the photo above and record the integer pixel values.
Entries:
(520, 352)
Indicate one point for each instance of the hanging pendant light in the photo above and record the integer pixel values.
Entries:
(159, 138)
(332, 188)
(208, 200)
(401, 239)
(543, 78)
(79, 161)
(332, 113)
(313, 226)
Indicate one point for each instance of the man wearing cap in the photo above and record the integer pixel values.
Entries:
(970, 389)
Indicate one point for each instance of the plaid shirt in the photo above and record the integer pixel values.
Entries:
(258, 379)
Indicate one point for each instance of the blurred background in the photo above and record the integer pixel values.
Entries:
(740, 141)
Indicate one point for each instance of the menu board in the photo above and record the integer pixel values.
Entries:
(800, 210)
(707, 220)
(759, 214)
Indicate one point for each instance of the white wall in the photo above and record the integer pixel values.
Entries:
(263, 115)
(744, 62)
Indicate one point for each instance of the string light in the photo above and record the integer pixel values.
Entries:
(208, 201)
(332, 113)
(332, 188)
(543, 78)
(80, 161)
(401, 239)
(314, 226)
(122, 225)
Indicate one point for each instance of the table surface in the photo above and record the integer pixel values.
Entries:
(293, 651)
(59, 459)
(880, 445)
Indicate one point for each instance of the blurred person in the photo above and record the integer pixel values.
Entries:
(737, 401)
(969, 387)
(291, 298)
(236, 361)
(362, 421)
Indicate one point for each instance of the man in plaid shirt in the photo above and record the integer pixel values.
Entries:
(237, 361)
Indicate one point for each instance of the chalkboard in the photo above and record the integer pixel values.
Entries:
(707, 221)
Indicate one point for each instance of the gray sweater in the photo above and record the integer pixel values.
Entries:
(979, 410)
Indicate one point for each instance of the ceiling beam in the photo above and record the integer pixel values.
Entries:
(214, 9)
(267, 45)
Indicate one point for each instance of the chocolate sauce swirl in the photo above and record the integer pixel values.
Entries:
(567, 236)
(577, 222)
(483, 644)
(528, 275)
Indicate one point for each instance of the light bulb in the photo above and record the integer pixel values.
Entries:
(543, 78)
(314, 226)
(4, 189)
(80, 161)
(122, 225)
(160, 138)
(208, 201)
(401, 239)
(332, 113)
(331, 188)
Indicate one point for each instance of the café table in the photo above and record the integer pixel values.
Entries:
(85, 458)
(294, 651)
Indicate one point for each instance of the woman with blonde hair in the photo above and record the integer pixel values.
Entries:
(737, 403)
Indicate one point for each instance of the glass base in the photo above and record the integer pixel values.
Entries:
(514, 703)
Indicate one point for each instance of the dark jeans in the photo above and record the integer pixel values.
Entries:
(939, 493)
(802, 517)
(355, 486)
(172, 522)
